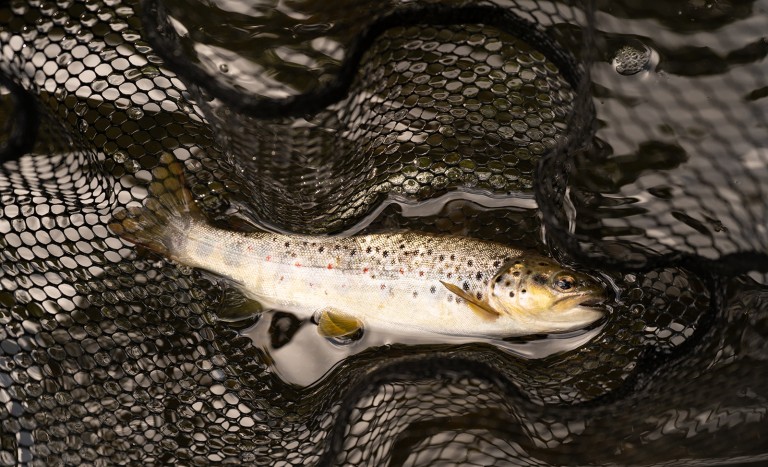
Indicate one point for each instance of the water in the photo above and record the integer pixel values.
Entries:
(675, 374)
(300, 356)
(687, 53)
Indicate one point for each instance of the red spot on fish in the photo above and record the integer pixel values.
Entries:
(269, 258)
(401, 271)
(282, 277)
(250, 248)
(421, 273)
(330, 266)
(365, 270)
(383, 286)
(298, 265)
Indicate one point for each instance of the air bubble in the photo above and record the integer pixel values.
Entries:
(132, 166)
(135, 113)
(633, 59)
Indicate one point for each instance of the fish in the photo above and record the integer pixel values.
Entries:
(442, 284)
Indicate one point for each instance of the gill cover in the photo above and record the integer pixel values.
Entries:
(538, 288)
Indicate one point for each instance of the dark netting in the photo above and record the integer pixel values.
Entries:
(679, 112)
(626, 139)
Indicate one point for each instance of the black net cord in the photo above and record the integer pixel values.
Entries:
(413, 368)
(23, 122)
(161, 36)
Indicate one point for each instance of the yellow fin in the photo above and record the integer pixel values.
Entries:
(336, 324)
(480, 308)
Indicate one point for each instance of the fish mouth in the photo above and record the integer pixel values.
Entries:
(586, 299)
(592, 301)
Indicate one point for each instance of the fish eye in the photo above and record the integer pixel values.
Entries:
(565, 283)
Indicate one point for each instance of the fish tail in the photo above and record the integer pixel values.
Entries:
(162, 223)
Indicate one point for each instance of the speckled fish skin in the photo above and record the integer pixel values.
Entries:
(388, 280)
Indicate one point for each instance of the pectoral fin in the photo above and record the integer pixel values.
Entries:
(480, 308)
(333, 323)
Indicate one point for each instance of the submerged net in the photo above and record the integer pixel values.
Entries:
(497, 120)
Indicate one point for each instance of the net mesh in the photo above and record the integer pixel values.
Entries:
(497, 120)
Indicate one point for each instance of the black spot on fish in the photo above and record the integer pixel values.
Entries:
(287, 244)
(453, 257)
(402, 246)
(500, 278)
(518, 263)
(523, 291)
(368, 250)
(528, 271)
(496, 264)
(465, 286)
(352, 252)
(470, 263)
(540, 278)
(511, 295)
(321, 249)
(542, 264)
(479, 275)
(441, 257)
(507, 284)
(385, 254)
(415, 294)
(429, 252)
(516, 273)
(432, 289)
(479, 295)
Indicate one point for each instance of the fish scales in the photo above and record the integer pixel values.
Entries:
(379, 277)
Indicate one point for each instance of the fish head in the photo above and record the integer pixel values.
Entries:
(538, 289)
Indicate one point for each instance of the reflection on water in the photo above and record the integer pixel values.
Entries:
(299, 355)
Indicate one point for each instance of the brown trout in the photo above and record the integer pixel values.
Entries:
(431, 283)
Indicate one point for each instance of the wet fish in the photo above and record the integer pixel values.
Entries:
(409, 280)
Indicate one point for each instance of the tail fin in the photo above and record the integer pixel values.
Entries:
(164, 220)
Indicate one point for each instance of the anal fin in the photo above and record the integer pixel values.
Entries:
(333, 323)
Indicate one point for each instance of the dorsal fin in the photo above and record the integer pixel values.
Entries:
(480, 308)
